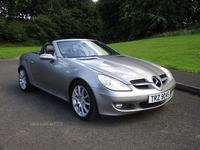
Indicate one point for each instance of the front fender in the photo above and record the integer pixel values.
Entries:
(24, 62)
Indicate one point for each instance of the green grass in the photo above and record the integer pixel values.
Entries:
(178, 52)
(12, 52)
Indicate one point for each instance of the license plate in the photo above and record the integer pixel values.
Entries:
(159, 97)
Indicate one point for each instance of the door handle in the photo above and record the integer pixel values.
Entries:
(31, 61)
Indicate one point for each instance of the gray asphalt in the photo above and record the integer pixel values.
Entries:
(37, 120)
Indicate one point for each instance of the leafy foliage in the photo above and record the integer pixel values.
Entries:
(107, 20)
(48, 20)
(130, 19)
(14, 32)
(41, 28)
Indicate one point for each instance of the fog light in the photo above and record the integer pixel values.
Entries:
(118, 105)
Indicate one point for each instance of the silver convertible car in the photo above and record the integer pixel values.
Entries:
(95, 79)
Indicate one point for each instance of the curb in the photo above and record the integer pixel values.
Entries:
(188, 88)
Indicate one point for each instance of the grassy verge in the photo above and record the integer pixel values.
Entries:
(178, 52)
(12, 52)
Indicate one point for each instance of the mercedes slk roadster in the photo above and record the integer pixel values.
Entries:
(95, 79)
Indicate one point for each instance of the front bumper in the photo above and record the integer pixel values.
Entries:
(133, 101)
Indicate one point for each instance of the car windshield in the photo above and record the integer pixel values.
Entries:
(84, 48)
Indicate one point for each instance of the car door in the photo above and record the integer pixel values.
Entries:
(44, 73)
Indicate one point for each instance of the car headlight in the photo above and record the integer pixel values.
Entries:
(113, 84)
(168, 73)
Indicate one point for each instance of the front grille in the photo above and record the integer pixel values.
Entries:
(163, 78)
(140, 84)
(138, 81)
(143, 84)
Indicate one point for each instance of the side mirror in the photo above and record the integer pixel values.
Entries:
(47, 57)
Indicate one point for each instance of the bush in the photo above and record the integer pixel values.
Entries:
(42, 29)
(14, 32)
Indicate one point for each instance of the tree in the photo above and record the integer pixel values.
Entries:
(42, 29)
(78, 19)
(130, 19)
(13, 8)
(52, 19)
(110, 14)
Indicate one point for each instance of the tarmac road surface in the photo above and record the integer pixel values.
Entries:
(39, 121)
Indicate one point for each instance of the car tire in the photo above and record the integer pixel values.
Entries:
(83, 101)
(24, 82)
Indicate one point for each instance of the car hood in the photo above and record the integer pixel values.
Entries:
(122, 67)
